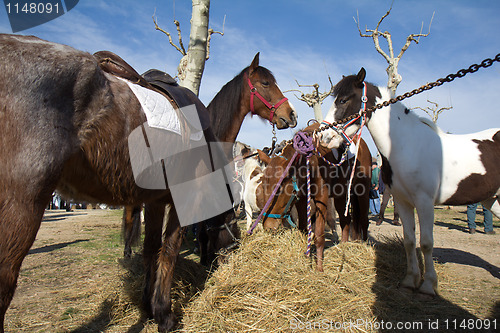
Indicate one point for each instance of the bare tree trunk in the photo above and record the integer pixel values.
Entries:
(318, 114)
(394, 77)
(192, 65)
(315, 99)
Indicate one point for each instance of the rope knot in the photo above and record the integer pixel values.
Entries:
(303, 143)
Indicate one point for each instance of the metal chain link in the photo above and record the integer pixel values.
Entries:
(461, 73)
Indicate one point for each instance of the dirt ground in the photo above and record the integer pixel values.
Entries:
(73, 278)
(472, 259)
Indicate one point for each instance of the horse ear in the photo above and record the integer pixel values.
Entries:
(361, 75)
(264, 158)
(255, 63)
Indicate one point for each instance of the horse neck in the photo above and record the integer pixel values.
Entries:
(233, 130)
(395, 128)
(379, 123)
(227, 111)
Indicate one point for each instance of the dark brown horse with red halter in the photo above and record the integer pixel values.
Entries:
(52, 95)
(252, 91)
(326, 180)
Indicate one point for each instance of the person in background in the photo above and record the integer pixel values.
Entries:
(374, 195)
(386, 195)
(471, 220)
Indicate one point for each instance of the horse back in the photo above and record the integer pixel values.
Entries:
(471, 168)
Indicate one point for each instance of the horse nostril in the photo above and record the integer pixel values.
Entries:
(285, 123)
(293, 119)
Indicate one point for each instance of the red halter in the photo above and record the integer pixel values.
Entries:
(272, 107)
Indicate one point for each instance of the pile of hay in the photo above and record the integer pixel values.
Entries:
(269, 285)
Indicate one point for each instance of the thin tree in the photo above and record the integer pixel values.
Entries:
(315, 98)
(434, 110)
(192, 64)
(393, 61)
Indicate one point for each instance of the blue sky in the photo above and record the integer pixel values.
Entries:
(306, 41)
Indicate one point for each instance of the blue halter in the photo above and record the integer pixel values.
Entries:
(286, 213)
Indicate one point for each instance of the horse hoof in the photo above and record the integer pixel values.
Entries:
(167, 324)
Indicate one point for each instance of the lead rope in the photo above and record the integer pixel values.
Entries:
(362, 113)
(303, 144)
(309, 218)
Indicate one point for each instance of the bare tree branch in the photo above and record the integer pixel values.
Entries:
(181, 49)
(315, 98)
(433, 111)
(415, 37)
(392, 69)
(211, 32)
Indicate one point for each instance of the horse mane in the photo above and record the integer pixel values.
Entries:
(344, 86)
(226, 104)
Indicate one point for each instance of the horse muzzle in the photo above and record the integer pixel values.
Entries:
(286, 122)
(330, 139)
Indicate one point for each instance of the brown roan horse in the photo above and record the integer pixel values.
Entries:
(227, 111)
(326, 181)
(65, 124)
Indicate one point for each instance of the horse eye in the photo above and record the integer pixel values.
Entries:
(342, 101)
(265, 83)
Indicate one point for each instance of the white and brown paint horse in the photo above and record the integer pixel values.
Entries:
(422, 165)
(252, 174)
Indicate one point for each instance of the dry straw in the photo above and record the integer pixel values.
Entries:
(270, 286)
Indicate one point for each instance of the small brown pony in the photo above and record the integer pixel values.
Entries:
(227, 111)
(326, 181)
(65, 124)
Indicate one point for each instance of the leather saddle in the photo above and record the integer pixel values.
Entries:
(158, 81)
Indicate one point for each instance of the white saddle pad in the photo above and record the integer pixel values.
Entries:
(159, 111)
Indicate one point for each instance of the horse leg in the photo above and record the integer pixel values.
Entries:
(248, 213)
(161, 302)
(319, 229)
(331, 215)
(426, 220)
(203, 240)
(412, 278)
(345, 221)
(131, 228)
(20, 220)
(153, 218)
(360, 210)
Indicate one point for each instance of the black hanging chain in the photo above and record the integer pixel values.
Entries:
(461, 73)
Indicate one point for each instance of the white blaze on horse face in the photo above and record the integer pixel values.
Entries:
(330, 138)
(293, 109)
